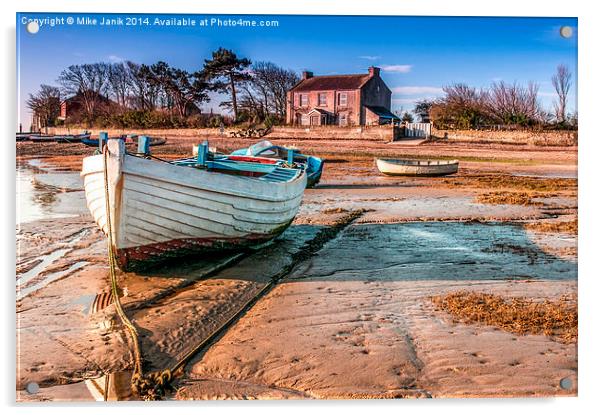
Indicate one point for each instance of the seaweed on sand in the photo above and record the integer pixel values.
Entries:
(520, 315)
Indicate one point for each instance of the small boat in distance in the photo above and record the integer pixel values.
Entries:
(128, 139)
(265, 149)
(41, 138)
(154, 141)
(396, 167)
(70, 138)
(26, 136)
(161, 210)
(93, 142)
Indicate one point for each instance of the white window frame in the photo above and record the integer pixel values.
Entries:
(320, 95)
(341, 95)
(303, 100)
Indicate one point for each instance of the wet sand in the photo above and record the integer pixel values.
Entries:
(351, 317)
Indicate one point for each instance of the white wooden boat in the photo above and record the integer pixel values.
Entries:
(394, 167)
(161, 210)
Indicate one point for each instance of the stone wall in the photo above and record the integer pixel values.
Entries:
(374, 133)
(542, 138)
(176, 132)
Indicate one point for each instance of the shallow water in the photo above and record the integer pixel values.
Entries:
(45, 193)
(436, 251)
(27, 281)
(22, 292)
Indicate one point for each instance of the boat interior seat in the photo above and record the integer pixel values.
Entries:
(279, 174)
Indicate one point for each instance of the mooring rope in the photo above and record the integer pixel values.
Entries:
(154, 385)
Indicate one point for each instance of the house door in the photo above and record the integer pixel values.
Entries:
(314, 120)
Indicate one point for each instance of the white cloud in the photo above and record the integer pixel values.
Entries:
(397, 68)
(410, 102)
(370, 57)
(404, 101)
(417, 90)
(115, 59)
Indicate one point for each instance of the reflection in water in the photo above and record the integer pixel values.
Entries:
(28, 282)
(111, 387)
(46, 199)
(47, 194)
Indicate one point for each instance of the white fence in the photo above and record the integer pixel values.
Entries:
(417, 129)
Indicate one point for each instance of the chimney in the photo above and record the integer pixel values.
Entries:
(373, 71)
(307, 74)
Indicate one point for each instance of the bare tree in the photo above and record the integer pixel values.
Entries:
(120, 83)
(252, 103)
(45, 104)
(264, 93)
(513, 103)
(462, 106)
(562, 84)
(89, 82)
(503, 103)
(144, 93)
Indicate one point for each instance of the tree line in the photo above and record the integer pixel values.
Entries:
(501, 105)
(128, 94)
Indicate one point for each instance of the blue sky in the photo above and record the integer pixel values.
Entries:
(418, 55)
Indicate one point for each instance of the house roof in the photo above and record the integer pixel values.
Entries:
(382, 112)
(320, 110)
(330, 82)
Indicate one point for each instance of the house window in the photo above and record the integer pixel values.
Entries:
(303, 100)
(322, 99)
(343, 99)
(343, 120)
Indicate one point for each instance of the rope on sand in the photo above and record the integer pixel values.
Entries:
(153, 385)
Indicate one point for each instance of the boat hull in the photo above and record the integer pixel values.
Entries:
(146, 256)
(428, 168)
(71, 138)
(90, 142)
(160, 211)
(41, 139)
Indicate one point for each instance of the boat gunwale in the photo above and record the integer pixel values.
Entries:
(87, 169)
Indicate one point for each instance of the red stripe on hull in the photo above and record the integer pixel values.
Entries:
(145, 256)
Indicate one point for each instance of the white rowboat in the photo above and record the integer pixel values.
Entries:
(160, 210)
(393, 167)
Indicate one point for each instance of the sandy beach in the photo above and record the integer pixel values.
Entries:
(340, 306)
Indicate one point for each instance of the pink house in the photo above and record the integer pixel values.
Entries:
(344, 100)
